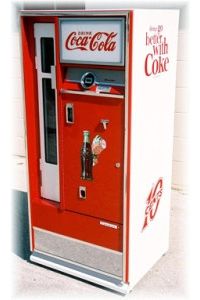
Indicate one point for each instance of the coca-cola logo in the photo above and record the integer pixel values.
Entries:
(88, 41)
(152, 202)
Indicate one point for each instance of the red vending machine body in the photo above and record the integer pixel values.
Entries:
(71, 94)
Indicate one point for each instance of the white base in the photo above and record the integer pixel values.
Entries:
(80, 272)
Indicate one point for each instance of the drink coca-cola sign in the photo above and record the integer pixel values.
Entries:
(99, 41)
(95, 41)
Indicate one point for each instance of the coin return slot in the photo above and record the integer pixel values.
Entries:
(69, 114)
(82, 192)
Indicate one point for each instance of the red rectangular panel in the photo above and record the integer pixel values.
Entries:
(48, 216)
(104, 193)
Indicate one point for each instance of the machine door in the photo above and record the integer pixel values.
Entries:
(103, 117)
(45, 65)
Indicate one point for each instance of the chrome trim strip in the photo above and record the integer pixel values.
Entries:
(79, 271)
(98, 83)
(73, 12)
(89, 93)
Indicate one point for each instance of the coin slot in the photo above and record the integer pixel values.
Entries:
(87, 80)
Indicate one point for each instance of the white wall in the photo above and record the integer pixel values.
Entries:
(19, 177)
(179, 178)
(18, 109)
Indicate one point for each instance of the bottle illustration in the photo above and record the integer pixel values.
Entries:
(86, 157)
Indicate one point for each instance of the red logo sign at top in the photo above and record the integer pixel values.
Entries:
(88, 41)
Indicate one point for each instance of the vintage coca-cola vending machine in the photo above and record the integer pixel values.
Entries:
(99, 98)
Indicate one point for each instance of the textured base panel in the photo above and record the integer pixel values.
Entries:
(86, 254)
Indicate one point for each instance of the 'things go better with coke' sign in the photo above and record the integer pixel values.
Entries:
(92, 40)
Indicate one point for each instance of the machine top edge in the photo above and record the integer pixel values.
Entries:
(73, 12)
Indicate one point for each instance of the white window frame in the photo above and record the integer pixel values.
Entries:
(49, 172)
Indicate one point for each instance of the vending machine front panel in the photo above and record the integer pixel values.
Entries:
(72, 100)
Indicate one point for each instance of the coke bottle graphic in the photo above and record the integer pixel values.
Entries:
(86, 157)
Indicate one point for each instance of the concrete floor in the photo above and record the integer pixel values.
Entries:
(166, 280)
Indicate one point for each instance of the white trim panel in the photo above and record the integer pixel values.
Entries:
(49, 172)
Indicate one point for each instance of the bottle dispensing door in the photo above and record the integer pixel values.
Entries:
(93, 143)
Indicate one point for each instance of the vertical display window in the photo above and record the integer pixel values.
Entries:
(49, 109)
(47, 54)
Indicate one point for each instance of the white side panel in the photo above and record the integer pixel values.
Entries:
(151, 137)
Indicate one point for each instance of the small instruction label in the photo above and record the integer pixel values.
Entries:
(114, 226)
(103, 89)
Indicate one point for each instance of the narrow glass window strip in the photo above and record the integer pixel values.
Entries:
(49, 109)
(47, 54)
